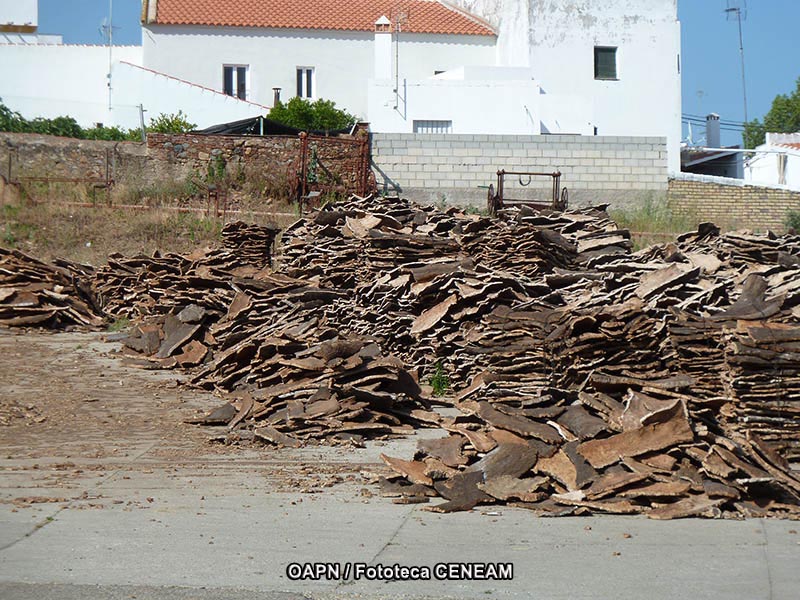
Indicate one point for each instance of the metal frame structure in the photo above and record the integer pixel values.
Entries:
(497, 201)
(305, 194)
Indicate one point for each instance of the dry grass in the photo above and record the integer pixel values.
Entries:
(85, 234)
(652, 222)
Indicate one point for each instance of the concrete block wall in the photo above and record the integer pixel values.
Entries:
(458, 168)
(731, 203)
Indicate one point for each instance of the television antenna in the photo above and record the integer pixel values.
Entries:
(400, 20)
(107, 31)
(737, 10)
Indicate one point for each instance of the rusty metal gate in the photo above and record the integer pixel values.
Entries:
(333, 165)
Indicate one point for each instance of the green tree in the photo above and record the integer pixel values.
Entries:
(174, 123)
(321, 115)
(783, 117)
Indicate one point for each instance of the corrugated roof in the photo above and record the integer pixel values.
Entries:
(422, 16)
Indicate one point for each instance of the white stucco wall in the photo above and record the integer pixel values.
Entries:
(763, 168)
(558, 44)
(58, 80)
(501, 106)
(343, 61)
(72, 81)
(19, 12)
(159, 93)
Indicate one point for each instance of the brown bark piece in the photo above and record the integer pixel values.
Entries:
(431, 317)
(413, 470)
(688, 507)
(506, 487)
(519, 425)
(271, 434)
(448, 450)
(672, 428)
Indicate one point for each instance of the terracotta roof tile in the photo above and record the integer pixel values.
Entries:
(424, 16)
(792, 145)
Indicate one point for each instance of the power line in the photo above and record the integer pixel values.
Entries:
(688, 116)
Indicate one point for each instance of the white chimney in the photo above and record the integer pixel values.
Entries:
(383, 48)
(712, 131)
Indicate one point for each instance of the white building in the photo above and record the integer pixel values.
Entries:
(605, 67)
(610, 67)
(19, 23)
(314, 49)
(777, 162)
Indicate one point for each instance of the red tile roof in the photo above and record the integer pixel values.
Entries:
(792, 145)
(423, 16)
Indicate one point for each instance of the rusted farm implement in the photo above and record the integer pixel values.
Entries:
(498, 200)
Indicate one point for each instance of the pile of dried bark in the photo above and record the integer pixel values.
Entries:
(339, 388)
(252, 244)
(558, 457)
(587, 377)
(54, 295)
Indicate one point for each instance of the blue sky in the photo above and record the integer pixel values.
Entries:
(711, 65)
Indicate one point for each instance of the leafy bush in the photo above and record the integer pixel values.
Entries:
(174, 123)
(14, 122)
(321, 115)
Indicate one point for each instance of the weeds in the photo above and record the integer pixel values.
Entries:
(120, 324)
(439, 381)
(474, 210)
(792, 220)
(652, 217)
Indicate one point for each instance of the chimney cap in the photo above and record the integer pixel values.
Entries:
(383, 20)
(712, 117)
(383, 25)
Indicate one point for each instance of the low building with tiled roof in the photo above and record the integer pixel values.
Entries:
(309, 48)
(776, 162)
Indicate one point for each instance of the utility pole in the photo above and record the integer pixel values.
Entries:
(737, 11)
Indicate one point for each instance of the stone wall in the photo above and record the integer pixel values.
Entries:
(458, 168)
(731, 203)
(274, 162)
(31, 155)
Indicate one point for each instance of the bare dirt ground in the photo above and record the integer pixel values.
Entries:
(72, 416)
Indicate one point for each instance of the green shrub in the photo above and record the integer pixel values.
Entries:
(792, 220)
(174, 123)
(321, 115)
(64, 126)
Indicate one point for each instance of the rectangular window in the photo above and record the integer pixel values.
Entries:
(605, 62)
(433, 126)
(305, 82)
(234, 81)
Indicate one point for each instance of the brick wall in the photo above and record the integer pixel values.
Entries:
(731, 203)
(596, 169)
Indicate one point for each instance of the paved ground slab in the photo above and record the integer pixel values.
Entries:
(111, 496)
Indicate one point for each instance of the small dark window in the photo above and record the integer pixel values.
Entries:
(234, 81)
(241, 82)
(228, 81)
(305, 82)
(605, 62)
